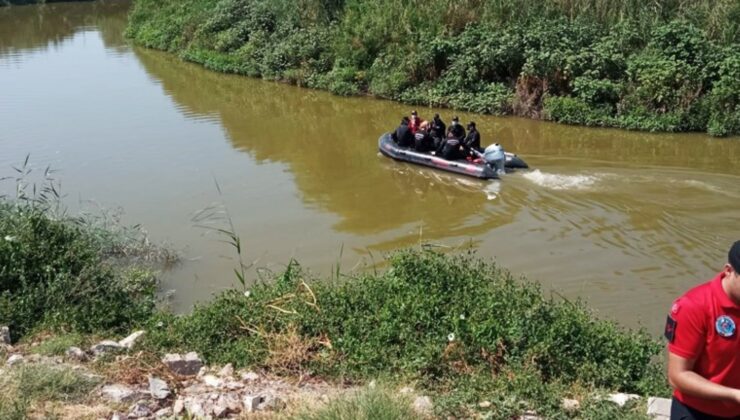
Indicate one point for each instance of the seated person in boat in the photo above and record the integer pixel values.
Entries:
(415, 122)
(422, 139)
(450, 149)
(438, 130)
(456, 129)
(472, 141)
(403, 136)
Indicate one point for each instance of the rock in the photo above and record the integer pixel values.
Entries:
(621, 399)
(423, 405)
(407, 390)
(227, 371)
(14, 359)
(233, 385)
(106, 346)
(230, 401)
(195, 407)
(251, 403)
(273, 403)
(372, 384)
(119, 393)
(529, 415)
(129, 342)
(659, 408)
(178, 406)
(165, 412)
(158, 388)
(484, 404)
(212, 381)
(570, 404)
(187, 365)
(220, 411)
(250, 376)
(5, 335)
(138, 411)
(115, 416)
(76, 353)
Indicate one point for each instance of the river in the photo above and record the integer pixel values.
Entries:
(625, 220)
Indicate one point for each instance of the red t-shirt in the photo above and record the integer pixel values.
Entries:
(703, 326)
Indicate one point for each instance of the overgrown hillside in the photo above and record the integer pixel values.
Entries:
(659, 66)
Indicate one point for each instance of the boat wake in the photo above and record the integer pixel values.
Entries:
(561, 182)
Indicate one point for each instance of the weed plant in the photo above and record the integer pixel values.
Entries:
(444, 321)
(662, 66)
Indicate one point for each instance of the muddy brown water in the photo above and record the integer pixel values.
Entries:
(625, 220)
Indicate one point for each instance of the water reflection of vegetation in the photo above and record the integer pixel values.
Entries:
(33, 27)
(330, 144)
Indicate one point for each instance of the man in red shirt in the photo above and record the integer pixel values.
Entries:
(704, 348)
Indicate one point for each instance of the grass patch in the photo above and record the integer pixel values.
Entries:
(25, 385)
(58, 345)
(367, 404)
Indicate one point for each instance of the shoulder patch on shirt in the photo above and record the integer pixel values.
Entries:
(670, 329)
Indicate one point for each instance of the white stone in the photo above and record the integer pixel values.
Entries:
(212, 381)
(115, 416)
(5, 335)
(119, 393)
(14, 359)
(423, 405)
(621, 399)
(407, 390)
(659, 408)
(530, 415)
(158, 388)
(130, 341)
(227, 371)
(251, 403)
(186, 365)
(230, 401)
(272, 403)
(372, 384)
(233, 385)
(250, 376)
(165, 412)
(569, 404)
(178, 406)
(484, 404)
(105, 346)
(138, 411)
(195, 408)
(76, 353)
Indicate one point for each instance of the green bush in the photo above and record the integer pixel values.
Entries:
(426, 316)
(636, 67)
(55, 274)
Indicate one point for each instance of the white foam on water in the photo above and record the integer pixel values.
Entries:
(492, 190)
(561, 182)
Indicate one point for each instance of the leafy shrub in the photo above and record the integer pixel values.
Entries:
(54, 274)
(428, 315)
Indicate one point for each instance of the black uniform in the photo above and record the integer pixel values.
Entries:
(450, 149)
(438, 130)
(456, 130)
(423, 142)
(472, 140)
(403, 136)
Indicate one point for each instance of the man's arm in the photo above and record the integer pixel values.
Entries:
(682, 377)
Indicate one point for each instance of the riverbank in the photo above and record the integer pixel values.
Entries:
(459, 330)
(672, 68)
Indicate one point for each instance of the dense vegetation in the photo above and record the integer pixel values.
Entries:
(663, 66)
(459, 327)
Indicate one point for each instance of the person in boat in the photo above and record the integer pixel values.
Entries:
(403, 136)
(415, 122)
(438, 130)
(422, 139)
(472, 141)
(449, 149)
(456, 129)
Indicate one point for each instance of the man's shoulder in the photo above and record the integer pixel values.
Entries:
(695, 298)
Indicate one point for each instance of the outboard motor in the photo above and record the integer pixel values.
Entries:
(495, 157)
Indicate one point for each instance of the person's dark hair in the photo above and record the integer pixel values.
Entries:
(405, 120)
(734, 257)
(471, 124)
